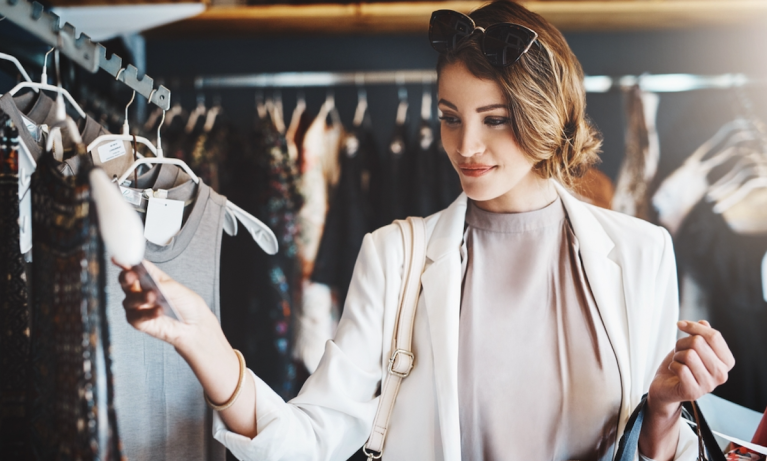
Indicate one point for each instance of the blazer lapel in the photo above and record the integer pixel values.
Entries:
(441, 282)
(605, 278)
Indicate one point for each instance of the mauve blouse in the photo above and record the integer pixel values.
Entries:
(537, 375)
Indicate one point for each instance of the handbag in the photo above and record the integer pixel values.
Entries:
(402, 359)
(708, 448)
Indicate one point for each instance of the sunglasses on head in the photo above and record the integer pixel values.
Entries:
(502, 44)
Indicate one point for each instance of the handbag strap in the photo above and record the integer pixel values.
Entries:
(629, 443)
(402, 358)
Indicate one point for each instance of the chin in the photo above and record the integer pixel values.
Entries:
(482, 192)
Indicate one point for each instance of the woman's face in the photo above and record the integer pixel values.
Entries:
(477, 135)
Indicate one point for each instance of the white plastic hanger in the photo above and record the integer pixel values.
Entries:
(362, 101)
(125, 136)
(43, 85)
(260, 232)
(24, 74)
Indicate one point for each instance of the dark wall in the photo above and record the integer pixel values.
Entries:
(684, 120)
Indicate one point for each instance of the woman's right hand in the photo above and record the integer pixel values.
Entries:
(146, 316)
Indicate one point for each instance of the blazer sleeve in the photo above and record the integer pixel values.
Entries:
(667, 314)
(331, 417)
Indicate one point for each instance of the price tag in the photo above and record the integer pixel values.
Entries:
(163, 220)
(111, 151)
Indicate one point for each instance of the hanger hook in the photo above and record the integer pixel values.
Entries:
(44, 76)
(125, 123)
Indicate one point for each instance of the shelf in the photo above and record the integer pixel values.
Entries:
(412, 17)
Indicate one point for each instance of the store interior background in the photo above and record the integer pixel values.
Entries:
(684, 120)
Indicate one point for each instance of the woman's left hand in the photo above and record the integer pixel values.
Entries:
(697, 365)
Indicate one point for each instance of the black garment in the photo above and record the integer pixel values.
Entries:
(398, 167)
(14, 309)
(256, 288)
(352, 212)
(727, 266)
(71, 381)
(424, 179)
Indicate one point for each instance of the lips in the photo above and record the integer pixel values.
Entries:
(475, 171)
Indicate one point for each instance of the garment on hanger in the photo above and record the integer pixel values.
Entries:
(642, 154)
(569, 407)
(727, 268)
(257, 290)
(352, 212)
(315, 322)
(29, 140)
(398, 174)
(423, 182)
(70, 394)
(158, 399)
(14, 305)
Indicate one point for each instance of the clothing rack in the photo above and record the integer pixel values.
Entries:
(46, 25)
(657, 83)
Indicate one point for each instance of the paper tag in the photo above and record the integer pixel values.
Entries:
(131, 196)
(111, 151)
(163, 220)
(32, 127)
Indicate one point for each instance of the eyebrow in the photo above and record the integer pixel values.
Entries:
(479, 109)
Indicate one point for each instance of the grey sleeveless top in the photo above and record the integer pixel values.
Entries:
(161, 413)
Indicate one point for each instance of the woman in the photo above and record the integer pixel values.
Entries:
(542, 320)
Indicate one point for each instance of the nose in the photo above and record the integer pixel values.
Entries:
(470, 142)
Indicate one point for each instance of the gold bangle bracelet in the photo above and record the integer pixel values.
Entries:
(237, 389)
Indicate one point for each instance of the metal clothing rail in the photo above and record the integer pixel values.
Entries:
(46, 25)
(658, 83)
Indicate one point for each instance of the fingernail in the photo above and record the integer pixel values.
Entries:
(681, 324)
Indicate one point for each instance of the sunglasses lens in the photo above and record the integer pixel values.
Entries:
(503, 44)
(447, 28)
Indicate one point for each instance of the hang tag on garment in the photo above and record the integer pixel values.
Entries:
(111, 150)
(131, 196)
(163, 220)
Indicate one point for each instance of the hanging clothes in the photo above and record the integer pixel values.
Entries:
(423, 182)
(642, 154)
(158, 398)
(398, 174)
(257, 289)
(315, 322)
(352, 212)
(448, 181)
(70, 394)
(727, 268)
(14, 305)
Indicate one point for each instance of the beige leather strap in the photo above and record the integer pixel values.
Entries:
(402, 359)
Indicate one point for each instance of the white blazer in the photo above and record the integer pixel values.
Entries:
(632, 273)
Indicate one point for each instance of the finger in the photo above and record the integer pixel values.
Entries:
(713, 338)
(140, 300)
(688, 385)
(129, 281)
(700, 373)
(716, 367)
(704, 323)
(137, 317)
(155, 272)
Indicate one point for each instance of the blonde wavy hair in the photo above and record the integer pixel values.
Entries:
(544, 91)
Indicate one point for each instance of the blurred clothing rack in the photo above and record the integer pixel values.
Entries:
(657, 83)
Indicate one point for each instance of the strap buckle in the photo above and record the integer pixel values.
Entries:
(393, 359)
(370, 454)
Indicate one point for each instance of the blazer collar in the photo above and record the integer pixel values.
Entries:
(448, 231)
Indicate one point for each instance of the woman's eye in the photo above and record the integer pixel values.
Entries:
(496, 121)
(450, 120)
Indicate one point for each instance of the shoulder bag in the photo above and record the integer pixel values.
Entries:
(402, 359)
